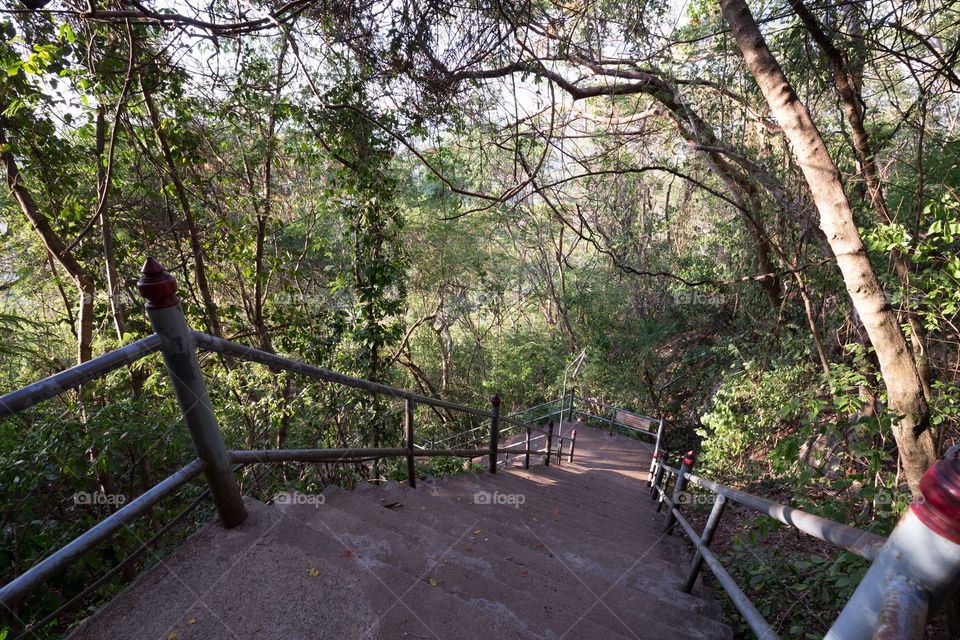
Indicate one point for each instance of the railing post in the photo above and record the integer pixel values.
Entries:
(678, 490)
(179, 355)
(660, 480)
(917, 568)
(573, 443)
(560, 451)
(653, 480)
(570, 410)
(526, 456)
(494, 431)
(546, 458)
(411, 470)
(705, 539)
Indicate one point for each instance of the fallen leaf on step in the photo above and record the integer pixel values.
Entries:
(192, 621)
(173, 634)
(478, 530)
(433, 582)
(349, 551)
(313, 573)
(524, 572)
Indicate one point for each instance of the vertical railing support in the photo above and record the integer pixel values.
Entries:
(678, 490)
(656, 448)
(560, 451)
(917, 568)
(494, 431)
(570, 409)
(653, 481)
(661, 480)
(179, 355)
(526, 446)
(546, 458)
(573, 443)
(408, 423)
(705, 539)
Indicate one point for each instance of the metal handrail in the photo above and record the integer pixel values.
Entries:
(27, 582)
(895, 584)
(51, 386)
(179, 343)
(225, 347)
(741, 601)
(857, 541)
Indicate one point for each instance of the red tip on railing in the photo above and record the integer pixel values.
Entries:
(573, 434)
(690, 458)
(495, 400)
(938, 505)
(157, 286)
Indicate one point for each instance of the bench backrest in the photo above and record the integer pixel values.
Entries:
(637, 422)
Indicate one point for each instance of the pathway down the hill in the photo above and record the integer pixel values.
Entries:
(554, 552)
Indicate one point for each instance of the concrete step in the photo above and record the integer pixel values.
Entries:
(457, 566)
(618, 542)
(275, 577)
(582, 557)
(561, 558)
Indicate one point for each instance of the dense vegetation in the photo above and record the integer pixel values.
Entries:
(458, 198)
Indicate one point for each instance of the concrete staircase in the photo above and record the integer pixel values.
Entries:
(554, 552)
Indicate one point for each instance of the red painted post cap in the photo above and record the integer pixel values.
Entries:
(938, 505)
(573, 434)
(495, 400)
(690, 458)
(157, 286)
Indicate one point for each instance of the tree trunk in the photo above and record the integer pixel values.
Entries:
(848, 88)
(195, 244)
(54, 245)
(898, 369)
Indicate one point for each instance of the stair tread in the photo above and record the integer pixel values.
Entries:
(435, 564)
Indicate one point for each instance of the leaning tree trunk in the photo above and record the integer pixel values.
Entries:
(899, 371)
(848, 88)
(54, 244)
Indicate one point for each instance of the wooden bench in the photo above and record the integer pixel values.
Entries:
(634, 421)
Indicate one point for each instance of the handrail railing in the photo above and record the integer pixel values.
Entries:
(178, 343)
(912, 570)
(24, 398)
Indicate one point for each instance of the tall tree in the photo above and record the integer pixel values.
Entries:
(897, 366)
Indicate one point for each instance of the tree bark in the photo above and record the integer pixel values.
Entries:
(846, 81)
(898, 369)
(195, 245)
